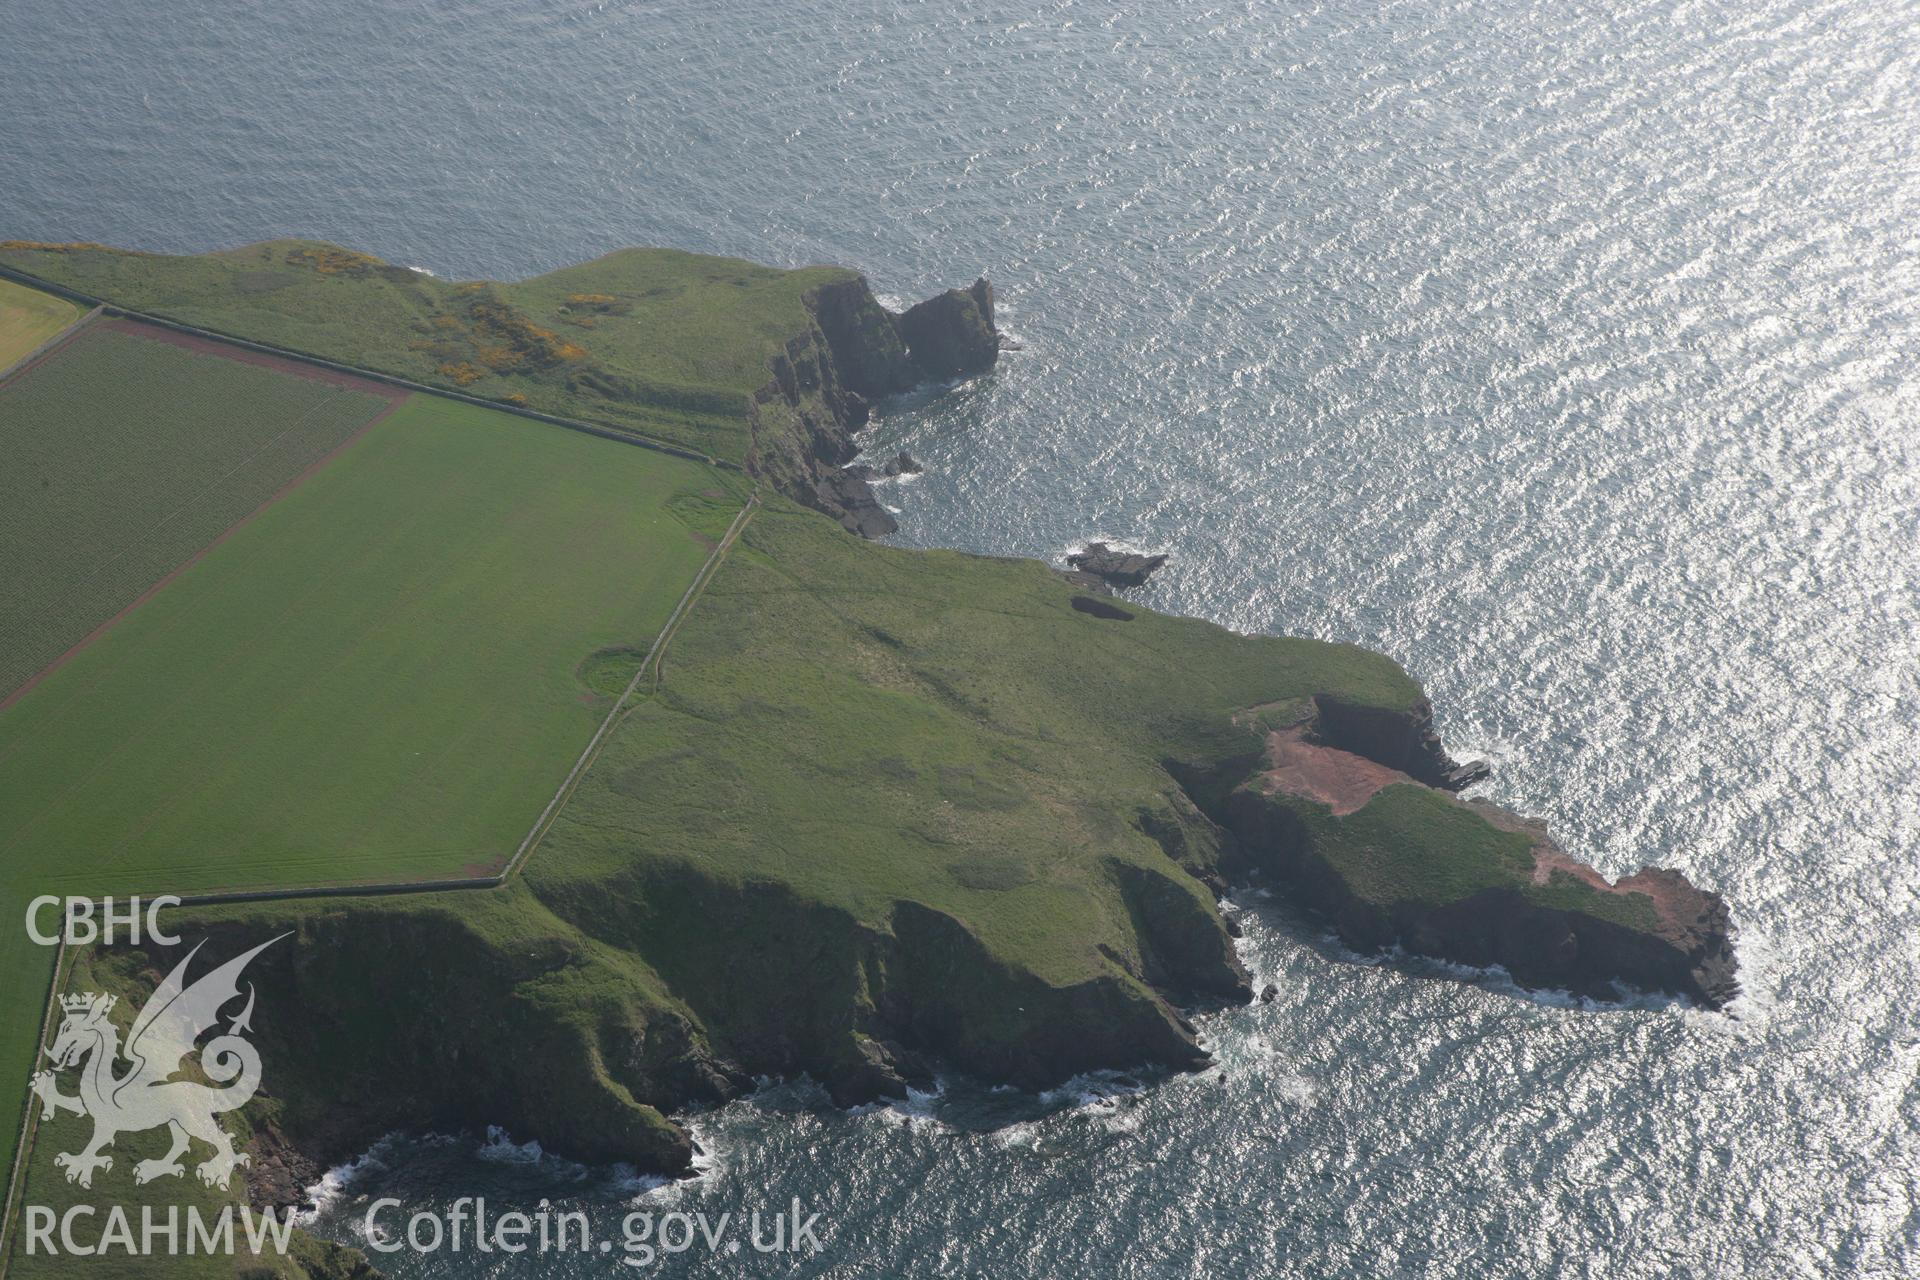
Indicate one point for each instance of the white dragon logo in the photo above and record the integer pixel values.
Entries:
(148, 1096)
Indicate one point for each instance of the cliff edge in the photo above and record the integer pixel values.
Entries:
(891, 809)
(1393, 861)
(751, 366)
(883, 808)
(825, 380)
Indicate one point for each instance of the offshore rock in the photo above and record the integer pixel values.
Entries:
(901, 464)
(825, 380)
(1118, 568)
(951, 335)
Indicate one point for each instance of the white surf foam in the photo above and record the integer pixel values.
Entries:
(1123, 545)
(336, 1183)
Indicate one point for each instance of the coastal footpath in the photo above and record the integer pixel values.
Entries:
(880, 811)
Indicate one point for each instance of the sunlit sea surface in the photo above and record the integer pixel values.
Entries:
(1568, 353)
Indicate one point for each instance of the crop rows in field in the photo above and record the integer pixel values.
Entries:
(127, 455)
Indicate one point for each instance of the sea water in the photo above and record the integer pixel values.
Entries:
(1568, 353)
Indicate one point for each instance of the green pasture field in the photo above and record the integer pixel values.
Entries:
(384, 676)
(666, 343)
(374, 679)
(125, 456)
(28, 318)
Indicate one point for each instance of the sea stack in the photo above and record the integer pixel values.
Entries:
(1115, 568)
(951, 335)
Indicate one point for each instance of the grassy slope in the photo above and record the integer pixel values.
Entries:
(669, 343)
(1415, 846)
(374, 680)
(125, 457)
(864, 725)
(46, 1186)
(535, 995)
(28, 318)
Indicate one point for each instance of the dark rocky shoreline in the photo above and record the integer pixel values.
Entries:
(825, 382)
(859, 351)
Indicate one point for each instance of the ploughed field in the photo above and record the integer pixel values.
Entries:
(381, 674)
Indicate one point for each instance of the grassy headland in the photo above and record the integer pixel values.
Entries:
(884, 804)
(878, 809)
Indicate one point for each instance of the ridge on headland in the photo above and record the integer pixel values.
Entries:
(876, 809)
(772, 370)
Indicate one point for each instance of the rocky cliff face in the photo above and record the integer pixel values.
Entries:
(1486, 887)
(803, 424)
(823, 384)
(1405, 741)
(661, 989)
(951, 335)
(583, 1011)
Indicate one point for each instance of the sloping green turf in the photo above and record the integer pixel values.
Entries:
(125, 456)
(307, 1258)
(865, 725)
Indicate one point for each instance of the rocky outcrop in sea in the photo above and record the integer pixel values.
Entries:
(824, 383)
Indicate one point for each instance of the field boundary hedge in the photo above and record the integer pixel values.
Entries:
(515, 865)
